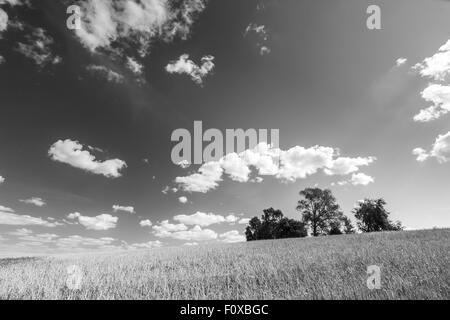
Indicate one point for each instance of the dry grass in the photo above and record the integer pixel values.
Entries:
(414, 265)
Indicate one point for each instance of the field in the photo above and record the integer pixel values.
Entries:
(414, 265)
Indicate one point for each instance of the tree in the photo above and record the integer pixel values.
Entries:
(290, 228)
(372, 216)
(251, 232)
(348, 226)
(273, 225)
(319, 210)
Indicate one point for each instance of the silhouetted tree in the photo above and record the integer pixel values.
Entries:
(251, 232)
(372, 216)
(335, 227)
(290, 228)
(273, 225)
(319, 210)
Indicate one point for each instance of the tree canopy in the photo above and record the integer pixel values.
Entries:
(273, 225)
(371, 216)
(320, 211)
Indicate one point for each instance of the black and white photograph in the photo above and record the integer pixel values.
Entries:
(224, 150)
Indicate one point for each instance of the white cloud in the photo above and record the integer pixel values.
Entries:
(107, 24)
(184, 164)
(361, 179)
(437, 66)
(400, 61)
(357, 179)
(232, 237)
(106, 73)
(345, 165)
(165, 228)
(134, 66)
(6, 209)
(100, 222)
(146, 245)
(236, 167)
(128, 209)
(440, 150)
(3, 20)
(244, 221)
(439, 95)
(191, 244)
(21, 232)
(8, 217)
(204, 219)
(290, 165)
(206, 179)
(186, 66)
(38, 48)
(183, 199)
(145, 223)
(70, 152)
(194, 234)
(38, 202)
(421, 154)
(2, 179)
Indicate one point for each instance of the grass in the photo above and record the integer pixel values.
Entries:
(414, 265)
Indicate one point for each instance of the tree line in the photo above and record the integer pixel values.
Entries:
(321, 215)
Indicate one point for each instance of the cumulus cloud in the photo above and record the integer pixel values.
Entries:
(72, 153)
(184, 164)
(437, 66)
(194, 234)
(400, 61)
(3, 20)
(38, 202)
(128, 209)
(204, 219)
(106, 73)
(6, 209)
(361, 179)
(165, 228)
(146, 245)
(186, 66)
(145, 223)
(232, 237)
(9, 217)
(37, 47)
(421, 154)
(100, 222)
(206, 179)
(290, 165)
(106, 24)
(244, 221)
(439, 96)
(183, 199)
(134, 66)
(439, 150)
(168, 189)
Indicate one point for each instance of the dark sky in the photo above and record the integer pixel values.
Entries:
(327, 81)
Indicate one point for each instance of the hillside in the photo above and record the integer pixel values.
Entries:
(414, 265)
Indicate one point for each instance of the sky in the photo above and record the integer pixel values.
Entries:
(89, 100)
